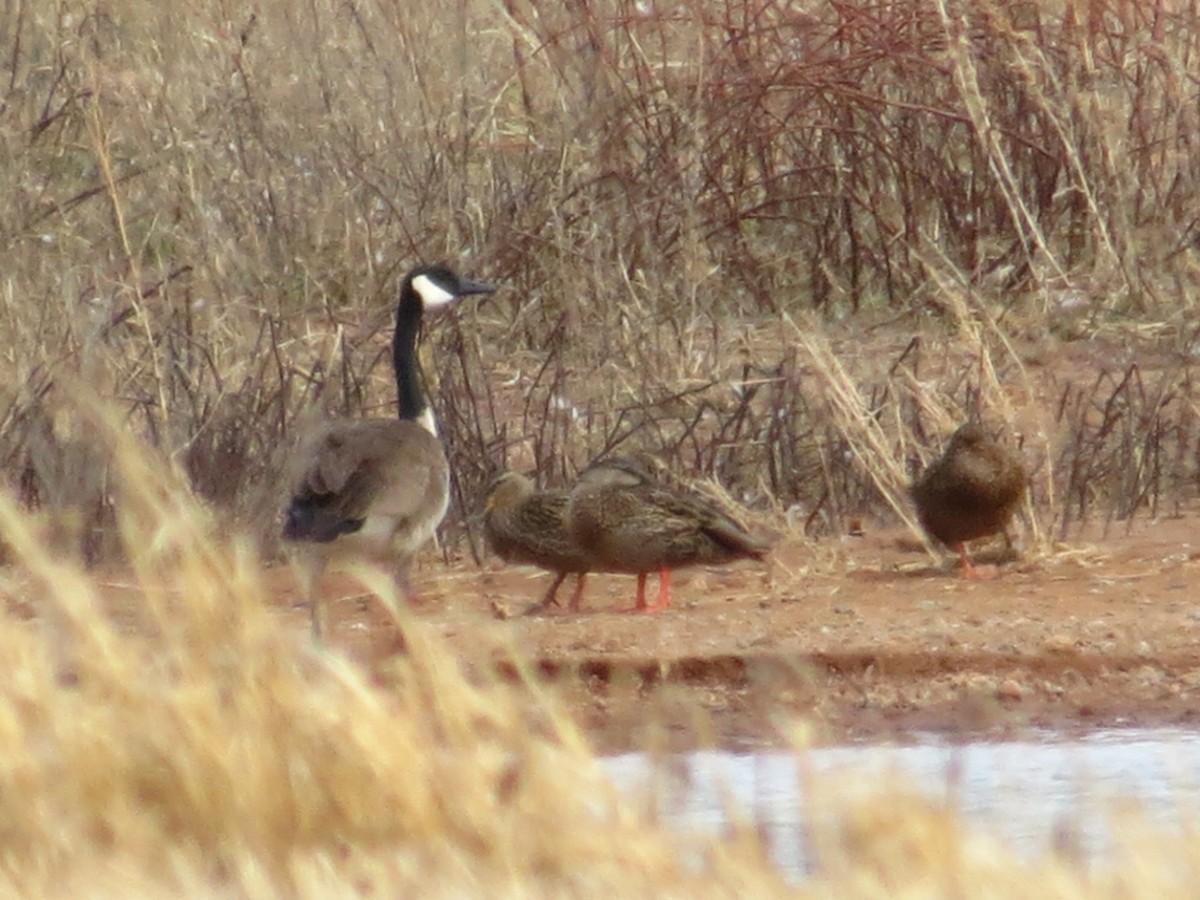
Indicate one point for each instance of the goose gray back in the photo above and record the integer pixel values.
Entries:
(377, 489)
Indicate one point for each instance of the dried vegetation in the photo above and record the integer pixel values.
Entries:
(784, 245)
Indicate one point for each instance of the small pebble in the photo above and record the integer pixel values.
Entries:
(1010, 689)
(1059, 643)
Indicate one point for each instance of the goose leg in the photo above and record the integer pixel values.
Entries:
(411, 597)
(307, 568)
(316, 606)
(317, 613)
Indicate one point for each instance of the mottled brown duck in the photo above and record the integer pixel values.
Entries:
(970, 492)
(376, 488)
(525, 525)
(626, 521)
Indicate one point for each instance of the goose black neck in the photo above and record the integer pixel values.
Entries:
(404, 358)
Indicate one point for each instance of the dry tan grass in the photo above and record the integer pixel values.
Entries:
(204, 747)
(207, 210)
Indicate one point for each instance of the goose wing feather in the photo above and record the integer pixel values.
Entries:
(356, 469)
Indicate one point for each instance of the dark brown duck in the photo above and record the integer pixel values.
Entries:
(970, 492)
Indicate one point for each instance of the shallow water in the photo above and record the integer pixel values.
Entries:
(1032, 795)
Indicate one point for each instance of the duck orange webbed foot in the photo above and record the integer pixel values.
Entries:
(969, 571)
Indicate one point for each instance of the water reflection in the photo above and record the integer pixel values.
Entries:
(1032, 795)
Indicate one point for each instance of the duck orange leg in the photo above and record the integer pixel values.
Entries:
(664, 593)
(577, 596)
(550, 598)
(968, 568)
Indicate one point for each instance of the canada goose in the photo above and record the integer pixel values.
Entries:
(377, 488)
(524, 525)
(970, 492)
(626, 521)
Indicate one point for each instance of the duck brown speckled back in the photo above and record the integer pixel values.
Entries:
(525, 525)
(626, 521)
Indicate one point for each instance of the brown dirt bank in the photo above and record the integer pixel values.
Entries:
(863, 641)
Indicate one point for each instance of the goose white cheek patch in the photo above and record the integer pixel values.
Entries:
(432, 294)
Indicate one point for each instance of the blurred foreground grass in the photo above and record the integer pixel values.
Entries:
(203, 748)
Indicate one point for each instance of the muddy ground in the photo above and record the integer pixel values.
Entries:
(864, 638)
